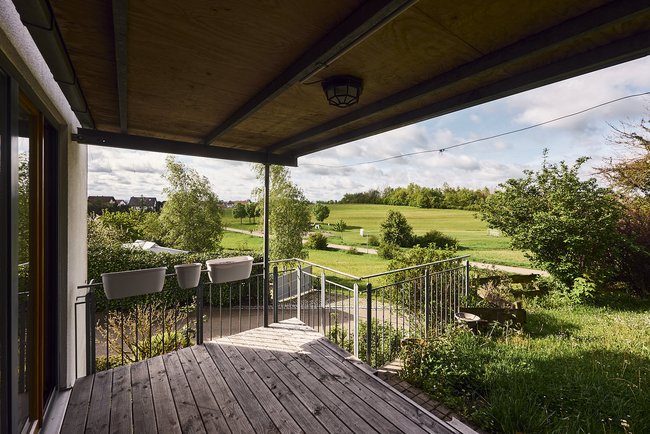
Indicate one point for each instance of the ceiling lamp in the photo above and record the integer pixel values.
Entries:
(342, 90)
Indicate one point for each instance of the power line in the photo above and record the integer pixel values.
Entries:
(458, 145)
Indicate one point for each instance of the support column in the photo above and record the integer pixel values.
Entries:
(267, 188)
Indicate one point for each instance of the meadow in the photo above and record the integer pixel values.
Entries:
(571, 369)
(465, 226)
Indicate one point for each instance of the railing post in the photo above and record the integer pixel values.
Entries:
(426, 303)
(466, 279)
(356, 320)
(299, 284)
(369, 323)
(275, 294)
(90, 332)
(322, 301)
(199, 314)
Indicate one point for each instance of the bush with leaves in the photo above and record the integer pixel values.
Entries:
(396, 230)
(317, 241)
(320, 211)
(387, 250)
(566, 225)
(340, 226)
(385, 341)
(436, 238)
(631, 177)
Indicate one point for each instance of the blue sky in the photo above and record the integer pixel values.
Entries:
(487, 163)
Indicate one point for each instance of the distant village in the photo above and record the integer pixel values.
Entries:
(97, 204)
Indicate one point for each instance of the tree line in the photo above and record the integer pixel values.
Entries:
(422, 197)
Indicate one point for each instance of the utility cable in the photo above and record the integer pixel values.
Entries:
(458, 145)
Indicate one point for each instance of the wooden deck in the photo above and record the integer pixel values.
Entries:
(285, 378)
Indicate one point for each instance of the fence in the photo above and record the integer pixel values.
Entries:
(368, 316)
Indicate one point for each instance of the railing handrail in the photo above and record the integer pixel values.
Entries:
(322, 267)
(413, 267)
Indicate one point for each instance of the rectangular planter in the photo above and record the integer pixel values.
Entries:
(229, 269)
(123, 284)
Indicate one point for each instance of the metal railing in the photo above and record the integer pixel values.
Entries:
(368, 316)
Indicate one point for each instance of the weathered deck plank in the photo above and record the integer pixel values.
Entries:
(121, 412)
(186, 407)
(99, 411)
(285, 378)
(144, 415)
(252, 408)
(235, 416)
(77, 411)
(210, 412)
(163, 401)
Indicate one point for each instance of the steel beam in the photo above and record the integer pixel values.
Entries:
(561, 34)
(360, 24)
(120, 26)
(604, 56)
(267, 210)
(154, 144)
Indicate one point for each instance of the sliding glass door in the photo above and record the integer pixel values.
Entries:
(29, 174)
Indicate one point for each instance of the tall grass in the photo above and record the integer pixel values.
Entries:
(571, 369)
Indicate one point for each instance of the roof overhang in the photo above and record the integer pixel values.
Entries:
(241, 79)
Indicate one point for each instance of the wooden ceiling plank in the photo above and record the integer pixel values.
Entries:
(364, 21)
(623, 50)
(120, 28)
(154, 144)
(562, 33)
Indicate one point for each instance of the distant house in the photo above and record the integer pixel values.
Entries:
(232, 203)
(102, 200)
(143, 203)
(121, 203)
(97, 204)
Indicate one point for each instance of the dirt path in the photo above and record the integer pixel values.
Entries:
(482, 265)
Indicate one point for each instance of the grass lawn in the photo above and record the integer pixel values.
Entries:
(470, 231)
(573, 369)
(358, 265)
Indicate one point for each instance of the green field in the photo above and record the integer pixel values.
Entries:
(470, 231)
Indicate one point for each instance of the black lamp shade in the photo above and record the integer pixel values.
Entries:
(342, 91)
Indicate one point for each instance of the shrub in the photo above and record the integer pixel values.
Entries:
(373, 240)
(385, 341)
(396, 230)
(352, 251)
(568, 226)
(387, 251)
(436, 238)
(317, 241)
(340, 226)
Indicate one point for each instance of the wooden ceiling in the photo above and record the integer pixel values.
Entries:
(241, 79)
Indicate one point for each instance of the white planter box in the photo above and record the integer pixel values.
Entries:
(123, 284)
(229, 269)
(188, 275)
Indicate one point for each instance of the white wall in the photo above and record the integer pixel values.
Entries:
(24, 62)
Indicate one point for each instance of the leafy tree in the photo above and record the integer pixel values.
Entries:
(289, 217)
(239, 212)
(567, 226)
(191, 217)
(321, 212)
(132, 225)
(396, 230)
(252, 211)
(631, 176)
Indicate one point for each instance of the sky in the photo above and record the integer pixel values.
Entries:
(122, 173)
